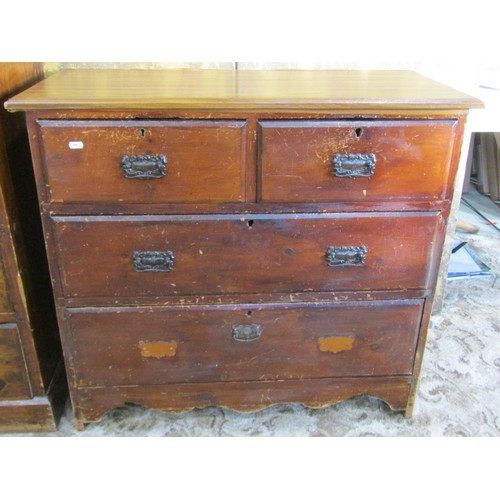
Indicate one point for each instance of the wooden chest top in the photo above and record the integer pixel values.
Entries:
(228, 89)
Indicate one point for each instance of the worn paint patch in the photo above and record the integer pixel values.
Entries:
(158, 349)
(335, 344)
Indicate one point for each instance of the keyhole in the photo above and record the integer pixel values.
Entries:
(143, 133)
(248, 314)
(250, 223)
(359, 131)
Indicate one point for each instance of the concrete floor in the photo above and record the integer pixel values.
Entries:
(484, 205)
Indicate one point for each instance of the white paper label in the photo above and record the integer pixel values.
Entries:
(75, 145)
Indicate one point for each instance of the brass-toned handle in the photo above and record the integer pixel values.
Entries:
(247, 333)
(153, 261)
(346, 256)
(353, 165)
(158, 349)
(144, 166)
(335, 344)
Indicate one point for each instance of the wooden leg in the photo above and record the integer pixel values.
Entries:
(409, 410)
(79, 425)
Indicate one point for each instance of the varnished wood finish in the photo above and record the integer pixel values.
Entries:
(243, 90)
(108, 349)
(13, 377)
(235, 254)
(30, 415)
(205, 160)
(5, 305)
(30, 352)
(296, 160)
(247, 311)
(252, 396)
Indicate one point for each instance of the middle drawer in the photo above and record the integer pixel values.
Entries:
(154, 256)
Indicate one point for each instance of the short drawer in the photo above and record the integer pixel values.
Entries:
(151, 161)
(13, 377)
(355, 161)
(239, 343)
(156, 256)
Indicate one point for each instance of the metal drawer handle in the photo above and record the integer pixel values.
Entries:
(144, 166)
(247, 333)
(346, 256)
(353, 165)
(155, 262)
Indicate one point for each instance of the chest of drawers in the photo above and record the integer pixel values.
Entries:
(240, 238)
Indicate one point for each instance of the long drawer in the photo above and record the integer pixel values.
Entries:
(115, 346)
(144, 161)
(355, 160)
(156, 256)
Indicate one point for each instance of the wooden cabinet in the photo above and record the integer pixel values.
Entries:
(243, 238)
(32, 383)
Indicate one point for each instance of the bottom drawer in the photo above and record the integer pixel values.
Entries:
(161, 345)
(13, 378)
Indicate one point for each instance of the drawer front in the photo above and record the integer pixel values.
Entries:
(5, 305)
(144, 161)
(237, 343)
(13, 378)
(328, 161)
(160, 256)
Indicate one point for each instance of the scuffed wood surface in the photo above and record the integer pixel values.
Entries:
(231, 89)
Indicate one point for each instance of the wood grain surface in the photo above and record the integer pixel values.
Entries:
(205, 160)
(109, 342)
(231, 254)
(274, 281)
(14, 382)
(230, 89)
(5, 304)
(412, 159)
(30, 353)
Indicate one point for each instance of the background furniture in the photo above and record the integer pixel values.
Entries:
(243, 238)
(32, 382)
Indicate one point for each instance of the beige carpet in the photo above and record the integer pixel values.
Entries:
(459, 391)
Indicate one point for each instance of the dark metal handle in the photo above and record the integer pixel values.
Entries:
(155, 262)
(144, 166)
(246, 333)
(353, 165)
(346, 256)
